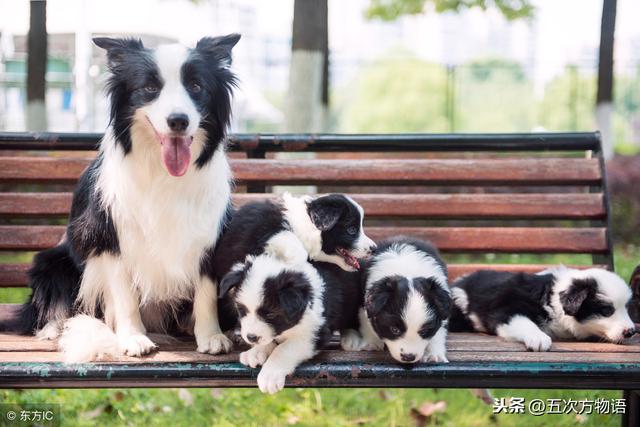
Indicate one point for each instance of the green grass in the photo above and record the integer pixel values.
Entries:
(311, 407)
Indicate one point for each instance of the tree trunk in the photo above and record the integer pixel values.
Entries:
(604, 99)
(308, 82)
(37, 66)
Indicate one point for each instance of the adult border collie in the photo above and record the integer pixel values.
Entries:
(148, 211)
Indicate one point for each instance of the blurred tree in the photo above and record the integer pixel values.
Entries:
(37, 66)
(406, 95)
(389, 10)
(308, 94)
(604, 98)
(568, 101)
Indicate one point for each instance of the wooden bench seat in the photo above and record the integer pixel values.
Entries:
(504, 201)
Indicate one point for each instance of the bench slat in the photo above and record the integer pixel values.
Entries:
(540, 206)
(454, 239)
(459, 342)
(524, 171)
(15, 275)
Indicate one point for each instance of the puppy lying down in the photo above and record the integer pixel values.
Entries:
(560, 303)
(288, 311)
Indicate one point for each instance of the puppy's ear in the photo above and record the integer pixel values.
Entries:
(219, 47)
(434, 295)
(578, 292)
(294, 294)
(379, 294)
(325, 212)
(634, 307)
(117, 49)
(231, 280)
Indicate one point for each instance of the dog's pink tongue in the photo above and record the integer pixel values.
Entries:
(176, 154)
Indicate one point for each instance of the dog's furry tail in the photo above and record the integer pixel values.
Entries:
(85, 339)
(54, 279)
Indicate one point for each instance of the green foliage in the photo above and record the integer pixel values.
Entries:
(406, 95)
(389, 10)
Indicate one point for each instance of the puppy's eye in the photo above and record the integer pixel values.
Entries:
(394, 331)
(352, 231)
(195, 88)
(241, 311)
(151, 88)
(271, 316)
(607, 311)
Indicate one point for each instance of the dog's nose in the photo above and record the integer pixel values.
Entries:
(178, 122)
(407, 357)
(629, 332)
(253, 338)
(373, 247)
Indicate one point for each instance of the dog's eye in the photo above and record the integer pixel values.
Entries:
(394, 331)
(271, 316)
(352, 231)
(151, 88)
(195, 88)
(607, 311)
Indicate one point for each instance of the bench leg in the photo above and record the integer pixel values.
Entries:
(632, 414)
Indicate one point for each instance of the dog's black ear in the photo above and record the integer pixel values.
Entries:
(231, 280)
(294, 295)
(325, 212)
(634, 306)
(578, 292)
(118, 48)
(219, 47)
(435, 295)
(379, 293)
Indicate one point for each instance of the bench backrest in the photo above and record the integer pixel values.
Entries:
(502, 194)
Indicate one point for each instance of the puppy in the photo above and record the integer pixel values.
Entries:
(328, 228)
(288, 311)
(560, 303)
(634, 306)
(406, 303)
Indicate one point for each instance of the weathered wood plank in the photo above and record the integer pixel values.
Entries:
(539, 206)
(458, 239)
(15, 275)
(524, 171)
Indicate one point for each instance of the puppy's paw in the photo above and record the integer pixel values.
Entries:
(538, 342)
(214, 344)
(137, 345)
(351, 340)
(372, 345)
(271, 380)
(435, 357)
(255, 356)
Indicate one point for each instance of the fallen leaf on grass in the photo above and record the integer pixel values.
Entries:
(424, 412)
(185, 396)
(96, 412)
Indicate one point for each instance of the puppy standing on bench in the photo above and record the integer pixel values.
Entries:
(559, 303)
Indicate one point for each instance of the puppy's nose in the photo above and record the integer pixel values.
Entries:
(178, 122)
(407, 357)
(253, 338)
(629, 332)
(373, 247)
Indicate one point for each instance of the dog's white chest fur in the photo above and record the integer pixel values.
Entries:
(164, 224)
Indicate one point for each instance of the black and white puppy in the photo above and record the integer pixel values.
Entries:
(406, 303)
(148, 211)
(560, 303)
(327, 228)
(287, 312)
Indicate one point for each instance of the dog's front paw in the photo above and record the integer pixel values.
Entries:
(255, 356)
(271, 380)
(435, 357)
(351, 340)
(214, 344)
(372, 344)
(137, 345)
(51, 331)
(538, 342)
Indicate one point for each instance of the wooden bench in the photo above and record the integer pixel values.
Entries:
(503, 194)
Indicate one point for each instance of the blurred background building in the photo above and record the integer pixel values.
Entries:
(471, 71)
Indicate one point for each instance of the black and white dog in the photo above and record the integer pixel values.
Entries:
(147, 213)
(406, 303)
(560, 303)
(327, 228)
(288, 311)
